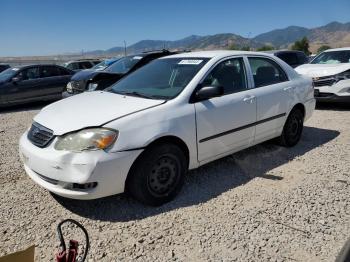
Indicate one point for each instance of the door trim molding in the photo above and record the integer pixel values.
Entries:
(241, 128)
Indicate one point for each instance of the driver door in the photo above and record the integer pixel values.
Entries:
(24, 89)
(226, 124)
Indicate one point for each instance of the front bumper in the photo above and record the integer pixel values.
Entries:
(57, 171)
(338, 92)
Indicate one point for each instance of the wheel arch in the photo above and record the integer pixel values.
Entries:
(164, 139)
(300, 107)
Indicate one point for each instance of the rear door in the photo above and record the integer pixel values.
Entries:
(226, 123)
(273, 92)
(53, 81)
(26, 87)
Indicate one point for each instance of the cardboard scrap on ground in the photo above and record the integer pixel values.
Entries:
(26, 255)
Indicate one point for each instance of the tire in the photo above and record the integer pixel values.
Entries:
(293, 129)
(157, 176)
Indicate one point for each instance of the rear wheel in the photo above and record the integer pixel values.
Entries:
(157, 175)
(292, 129)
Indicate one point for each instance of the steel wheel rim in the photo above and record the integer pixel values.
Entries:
(163, 175)
(294, 128)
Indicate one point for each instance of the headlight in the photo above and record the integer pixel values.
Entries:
(87, 139)
(92, 86)
(343, 76)
(69, 87)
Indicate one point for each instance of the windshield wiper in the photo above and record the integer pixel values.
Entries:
(134, 93)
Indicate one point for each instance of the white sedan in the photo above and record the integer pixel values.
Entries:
(174, 114)
(330, 71)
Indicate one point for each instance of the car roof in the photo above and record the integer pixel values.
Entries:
(216, 54)
(338, 49)
(26, 66)
(282, 51)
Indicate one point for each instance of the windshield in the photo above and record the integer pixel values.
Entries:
(104, 64)
(160, 79)
(7, 74)
(124, 64)
(332, 57)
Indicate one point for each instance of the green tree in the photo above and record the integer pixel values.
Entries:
(323, 48)
(302, 45)
(245, 48)
(265, 48)
(233, 47)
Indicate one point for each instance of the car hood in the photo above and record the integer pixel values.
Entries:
(319, 70)
(84, 74)
(90, 109)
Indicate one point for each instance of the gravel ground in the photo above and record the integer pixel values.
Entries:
(265, 203)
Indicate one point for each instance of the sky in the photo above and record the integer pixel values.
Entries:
(37, 27)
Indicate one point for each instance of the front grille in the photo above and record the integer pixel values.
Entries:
(324, 81)
(40, 135)
(325, 94)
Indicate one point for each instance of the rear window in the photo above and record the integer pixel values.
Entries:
(289, 58)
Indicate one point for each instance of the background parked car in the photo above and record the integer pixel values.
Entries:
(98, 80)
(330, 72)
(81, 64)
(33, 83)
(292, 58)
(3, 67)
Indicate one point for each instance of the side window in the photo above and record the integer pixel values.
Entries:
(29, 73)
(49, 71)
(266, 72)
(229, 74)
(63, 71)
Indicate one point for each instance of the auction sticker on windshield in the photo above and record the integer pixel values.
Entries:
(190, 62)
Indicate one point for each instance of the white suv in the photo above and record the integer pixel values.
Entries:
(330, 71)
(174, 114)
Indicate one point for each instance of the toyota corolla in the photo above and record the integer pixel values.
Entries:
(174, 114)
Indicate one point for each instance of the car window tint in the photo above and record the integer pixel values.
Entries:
(229, 74)
(266, 71)
(63, 71)
(289, 58)
(30, 73)
(49, 71)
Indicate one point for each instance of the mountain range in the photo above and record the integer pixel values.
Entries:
(334, 34)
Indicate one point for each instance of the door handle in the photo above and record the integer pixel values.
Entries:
(249, 99)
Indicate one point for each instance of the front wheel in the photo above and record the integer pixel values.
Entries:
(292, 129)
(157, 175)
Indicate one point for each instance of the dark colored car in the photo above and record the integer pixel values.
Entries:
(3, 67)
(99, 80)
(291, 57)
(81, 64)
(33, 83)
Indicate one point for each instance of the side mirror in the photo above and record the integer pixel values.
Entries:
(208, 92)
